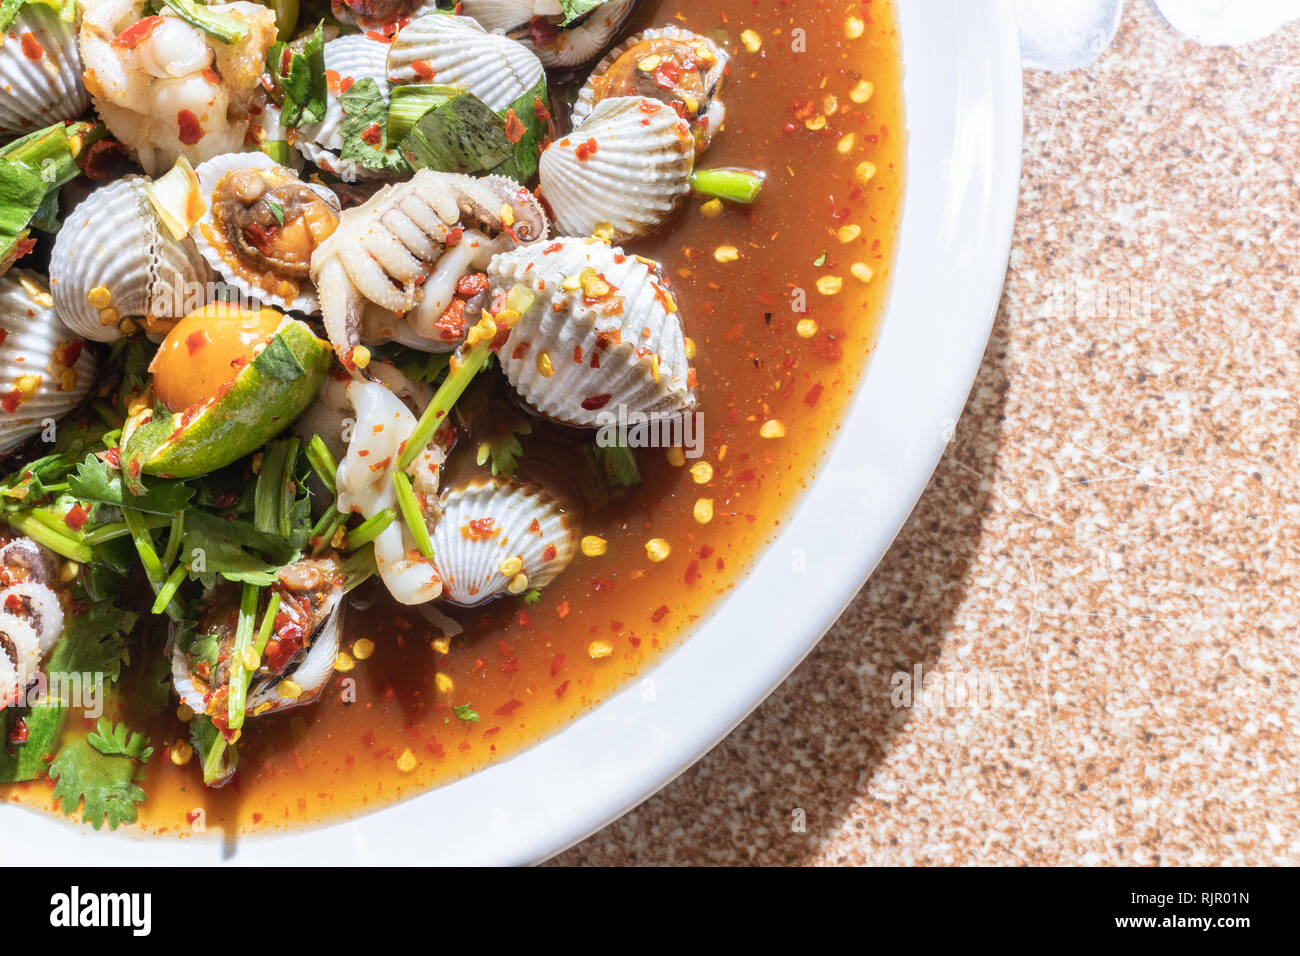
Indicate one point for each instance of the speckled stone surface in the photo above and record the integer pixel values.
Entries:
(1100, 583)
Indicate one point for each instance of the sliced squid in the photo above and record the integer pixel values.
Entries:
(31, 616)
(383, 425)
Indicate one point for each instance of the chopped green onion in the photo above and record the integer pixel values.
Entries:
(322, 462)
(277, 149)
(60, 544)
(358, 567)
(734, 185)
(153, 567)
(370, 529)
(169, 588)
(520, 300)
(273, 495)
(323, 531)
(411, 514)
(259, 648)
(219, 26)
(244, 625)
(143, 541)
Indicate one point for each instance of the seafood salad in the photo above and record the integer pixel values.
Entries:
(321, 327)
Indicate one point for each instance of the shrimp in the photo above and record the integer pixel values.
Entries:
(165, 88)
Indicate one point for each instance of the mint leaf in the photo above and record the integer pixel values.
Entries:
(365, 129)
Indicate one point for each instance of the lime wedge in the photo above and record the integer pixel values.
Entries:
(263, 400)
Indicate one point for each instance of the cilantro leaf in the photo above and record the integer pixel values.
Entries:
(95, 481)
(102, 785)
(94, 642)
(618, 465)
(365, 129)
(504, 448)
(531, 111)
(466, 712)
(113, 740)
(215, 546)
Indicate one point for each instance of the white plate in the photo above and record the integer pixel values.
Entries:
(963, 100)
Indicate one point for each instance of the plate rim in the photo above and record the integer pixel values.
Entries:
(573, 800)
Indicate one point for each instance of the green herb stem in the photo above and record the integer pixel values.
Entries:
(734, 185)
(411, 514)
(451, 389)
(169, 588)
(370, 529)
(239, 674)
(60, 544)
(322, 462)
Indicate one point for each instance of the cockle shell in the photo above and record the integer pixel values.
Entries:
(709, 113)
(112, 245)
(456, 51)
(310, 673)
(40, 72)
(45, 370)
(574, 46)
(214, 246)
(573, 356)
(347, 58)
(379, 13)
(627, 167)
(499, 536)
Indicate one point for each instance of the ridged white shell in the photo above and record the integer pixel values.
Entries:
(577, 45)
(636, 345)
(35, 342)
(210, 174)
(471, 565)
(633, 178)
(461, 53)
(311, 674)
(711, 109)
(47, 90)
(355, 57)
(112, 239)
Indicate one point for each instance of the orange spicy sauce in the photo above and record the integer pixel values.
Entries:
(526, 669)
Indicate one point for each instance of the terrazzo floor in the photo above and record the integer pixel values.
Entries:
(1099, 585)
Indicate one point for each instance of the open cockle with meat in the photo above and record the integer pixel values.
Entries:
(543, 25)
(261, 225)
(293, 667)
